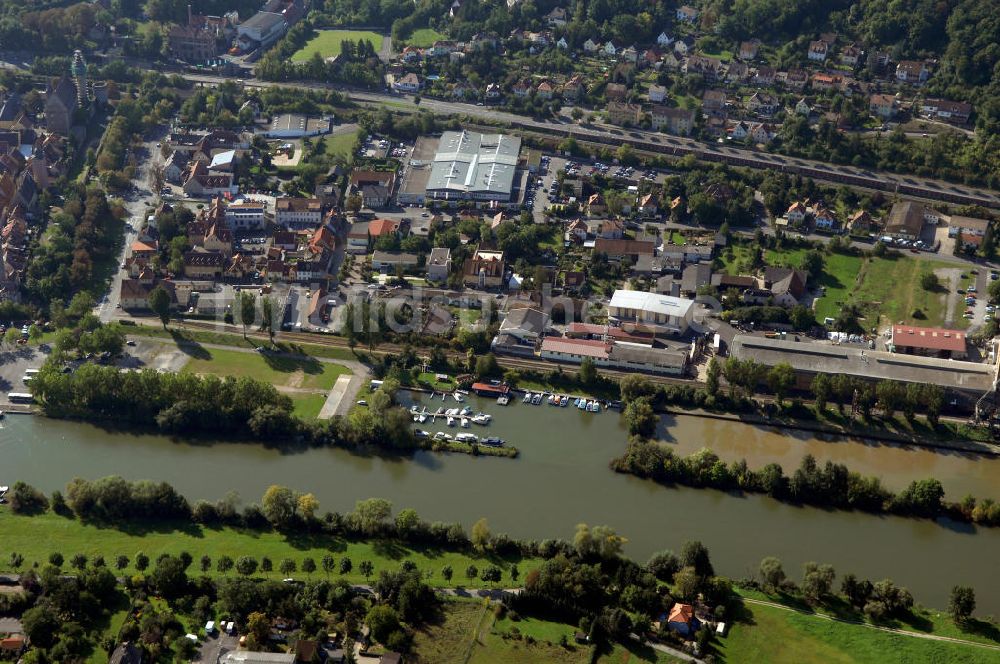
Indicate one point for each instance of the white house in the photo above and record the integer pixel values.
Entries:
(590, 46)
(246, 214)
(664, 39)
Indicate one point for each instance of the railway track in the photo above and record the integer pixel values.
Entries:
(505, 361)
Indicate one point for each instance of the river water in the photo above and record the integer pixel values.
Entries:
(561, 479)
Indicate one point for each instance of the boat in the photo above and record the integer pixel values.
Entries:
(465, 422)
(597, 406)
(458, 397)
(576, 402)
(464, 393)
(537, 399)
(422, 418)
(420, 433)
(502, 400)
(413, 409)
(416, 418)
(481, 418)
(527, 397)
(551, 399)
(444, 395)
(465, 411)
(441, 435)
(451, 421)
(582, 404)
(565, 401)
(466, 437)
(492, 441)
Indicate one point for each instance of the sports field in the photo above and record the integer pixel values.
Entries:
(327, 43)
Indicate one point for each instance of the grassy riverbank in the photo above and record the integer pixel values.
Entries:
(776, 635)
(36, 537)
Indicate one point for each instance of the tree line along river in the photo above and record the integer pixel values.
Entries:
(562, 478)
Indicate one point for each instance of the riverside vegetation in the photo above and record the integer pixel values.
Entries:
(73, 607)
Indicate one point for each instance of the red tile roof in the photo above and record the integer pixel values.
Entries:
(929, 338)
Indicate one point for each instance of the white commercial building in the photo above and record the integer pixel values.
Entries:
(247, 214)
(652, 312)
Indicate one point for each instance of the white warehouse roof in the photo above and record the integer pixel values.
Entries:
(659, 304)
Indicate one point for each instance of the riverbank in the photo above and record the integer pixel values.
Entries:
(833, 429)
(39, 536)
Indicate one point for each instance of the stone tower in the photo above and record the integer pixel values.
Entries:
(79, 71)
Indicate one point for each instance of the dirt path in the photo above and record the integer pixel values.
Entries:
(890, 630)
(949, 277)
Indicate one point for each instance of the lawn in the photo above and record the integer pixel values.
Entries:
(769, 634)
(35, 537)
(424, 37)
(307, 406)
(327, 43)
(293, 372)
(469, 631)
(341, 144)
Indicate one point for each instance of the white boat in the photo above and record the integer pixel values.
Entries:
(466, 437)
(451, 412)
(444, 395)
(458, 397)
(465, 422)
(416, 418)
(451, 421)
(551, 399)
(565, 401)
(422, 418)
(465, 411)
(582, 404)
(527, 397)
(441, 435)
(414, 409)
(492, 441)
(481, 418)
(503, 400)
(419, 433)
(537, 399)
(597, 406)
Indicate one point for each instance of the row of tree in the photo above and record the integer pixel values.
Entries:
(827, 485)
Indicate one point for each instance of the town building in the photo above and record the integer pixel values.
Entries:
(621, 113)
(474, 166)
(905, 220)
(297, 125)
(298, 213)
(246, 214)
(484, 269)
(928, 341)
(261, 30)
(439, 264)
(60, 105)
(679, 121)
(659, 314)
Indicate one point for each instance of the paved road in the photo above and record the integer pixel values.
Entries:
(137, 207)
(677, 145)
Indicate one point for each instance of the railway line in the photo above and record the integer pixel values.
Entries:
(505, 361)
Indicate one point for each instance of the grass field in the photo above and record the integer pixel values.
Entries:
(327, 43)
(307, 406)
(237, 340)
(35, 537)
(304, 373)
(341, 144)
(424, 37)
(777, 636)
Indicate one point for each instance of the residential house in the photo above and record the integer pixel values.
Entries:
(826, 81)
(562, 44)
(485, 269)
(545, 90)
(522, 88)
(738, 72)
(959, 225)
(521, 329)
(557, 17)
(610, 229)
(439, 264)
(739, 130)
(620, 113)
(861, 223)
(749, 49)
(298, 213)
(686, 14)
(707, 67)
(713, 100)
(590, 46)
(678, 121)
(787, 286)
(203, 264)
(596, 205)
(762, 132)
(657, 93)
(796, 79)
(914, 72)
(684, 46)
(818, 50)
(173, 169)
(682, 620)
(764, 76)
(664, 39)
(199, 183)
(622, 250)
(358, 239)
(126, 653)
(796, 214)
(649, 205)
(383, 227)
(574, 89)
(191, 43)
(609, 49)
(763, 103)
(409, 83)
(802, 107)
(651, 57)
(577, 231)
(615, 92)
(882, 105)
(694, 277)
(824, 219)
(629, 54)
(850, 55)
(943, 109)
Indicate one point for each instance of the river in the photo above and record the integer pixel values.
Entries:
(561, 479)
